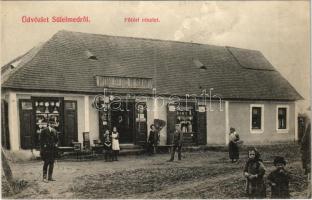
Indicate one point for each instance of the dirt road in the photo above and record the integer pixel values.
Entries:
(205, 174)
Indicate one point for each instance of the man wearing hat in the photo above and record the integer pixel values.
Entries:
(176, 142)
(48, 150)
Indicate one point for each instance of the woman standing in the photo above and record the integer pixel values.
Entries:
(115, 143)
(233, 145)
(152, 140)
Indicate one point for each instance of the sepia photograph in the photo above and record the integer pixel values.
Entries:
(155, 99)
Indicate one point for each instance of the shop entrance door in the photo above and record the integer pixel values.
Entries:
(70, 123)
(27, 124)
(122, 116)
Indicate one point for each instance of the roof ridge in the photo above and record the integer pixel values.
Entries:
(228, 48)
(140, 38)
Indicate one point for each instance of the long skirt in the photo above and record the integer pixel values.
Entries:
(256, 189)
(233, 150)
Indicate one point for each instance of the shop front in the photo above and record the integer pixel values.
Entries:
(192, 120)
(35, 113)
(130, 119)
(130, 116)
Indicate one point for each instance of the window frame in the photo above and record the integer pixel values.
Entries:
(286, 130)
(256, 131)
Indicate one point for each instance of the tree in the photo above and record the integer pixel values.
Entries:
(7, 170)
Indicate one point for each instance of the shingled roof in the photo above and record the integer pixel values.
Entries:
(63, 64)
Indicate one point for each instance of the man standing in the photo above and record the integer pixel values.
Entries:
(48, 150)
(177, 142)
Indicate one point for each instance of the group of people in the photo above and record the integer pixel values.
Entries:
(111, 145)
(254, 172)
(279, 178)
(177, 141)
(254, 169)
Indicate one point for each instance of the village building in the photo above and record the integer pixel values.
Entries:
(86, 83)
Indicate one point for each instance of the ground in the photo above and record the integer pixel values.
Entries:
(200, 174)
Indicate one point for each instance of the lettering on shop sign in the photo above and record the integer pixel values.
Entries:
(124, 82)
(201, 109)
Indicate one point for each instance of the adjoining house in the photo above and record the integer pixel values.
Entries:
(88, 82)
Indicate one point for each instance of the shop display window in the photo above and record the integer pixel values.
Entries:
(46, 111)
(185, 118)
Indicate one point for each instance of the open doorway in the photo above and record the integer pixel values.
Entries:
(123, 119)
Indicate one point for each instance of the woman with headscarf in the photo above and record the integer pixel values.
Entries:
(254, 172)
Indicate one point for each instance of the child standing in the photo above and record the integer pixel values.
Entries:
(279, 179)
(108, 145)
(254, 172)
(115, 143)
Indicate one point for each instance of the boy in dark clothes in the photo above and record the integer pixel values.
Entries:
(279, 180)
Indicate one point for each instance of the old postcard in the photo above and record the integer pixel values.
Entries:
(155, 100)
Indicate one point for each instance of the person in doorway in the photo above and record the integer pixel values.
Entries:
(176, 142)
(254, 172)
(233, 145)
(279, 179)
(107, 137)
(48, 150)
(115, 143)
(152, 140)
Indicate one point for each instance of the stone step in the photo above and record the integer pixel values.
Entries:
(130, 146)
(124, 152)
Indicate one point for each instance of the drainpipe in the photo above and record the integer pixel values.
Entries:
(87, 118)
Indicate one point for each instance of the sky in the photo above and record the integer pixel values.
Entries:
(279, 29)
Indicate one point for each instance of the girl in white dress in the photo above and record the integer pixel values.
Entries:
(115, 143)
